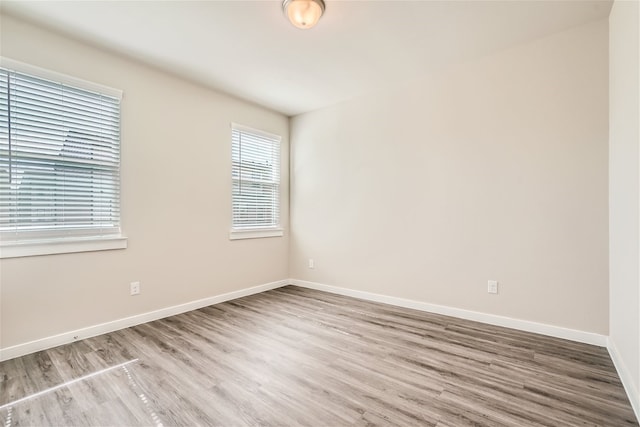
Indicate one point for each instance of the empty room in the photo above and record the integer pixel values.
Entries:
(320, 213)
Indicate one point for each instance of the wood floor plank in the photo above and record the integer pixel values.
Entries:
(299, 357)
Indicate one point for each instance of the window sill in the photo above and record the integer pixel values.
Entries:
(255, 233)
(60, 246)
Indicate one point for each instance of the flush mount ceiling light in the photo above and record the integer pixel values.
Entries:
(303, 13)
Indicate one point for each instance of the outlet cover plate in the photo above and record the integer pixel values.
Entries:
(135, 288)
(492, 286)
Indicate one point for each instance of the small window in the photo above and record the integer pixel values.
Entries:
(59, 160)
(255, 159)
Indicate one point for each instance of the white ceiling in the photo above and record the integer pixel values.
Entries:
(248, 48)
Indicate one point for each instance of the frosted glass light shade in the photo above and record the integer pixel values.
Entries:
(303, 13)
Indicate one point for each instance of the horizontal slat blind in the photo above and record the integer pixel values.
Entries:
(59, 159)
(256, 178)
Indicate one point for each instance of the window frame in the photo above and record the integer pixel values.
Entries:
(53, 242)
(257, 231)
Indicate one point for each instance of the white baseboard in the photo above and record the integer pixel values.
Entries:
(625, 377)
(103, 328)
(491, 319)
(524, 325)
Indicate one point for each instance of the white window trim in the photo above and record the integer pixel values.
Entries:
(59, 77)
(258, 233)
(28, 248)
(244, 128)
(73, 244)
(255, 233)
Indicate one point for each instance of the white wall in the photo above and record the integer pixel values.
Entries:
(624, 193)
(176, 202)
(494, 169)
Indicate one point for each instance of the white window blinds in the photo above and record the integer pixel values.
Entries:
(256, 179)
(59, 159)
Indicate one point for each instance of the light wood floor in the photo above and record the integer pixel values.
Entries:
(294, 356)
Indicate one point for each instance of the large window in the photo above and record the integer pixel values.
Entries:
(255, 168)
(59, 160)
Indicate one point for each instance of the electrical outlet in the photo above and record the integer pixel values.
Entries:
(311, 263)
(135, 288)
(492, 286)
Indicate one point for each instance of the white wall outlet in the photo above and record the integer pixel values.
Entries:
(135, 288)
(492, 286)
(312, 264)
